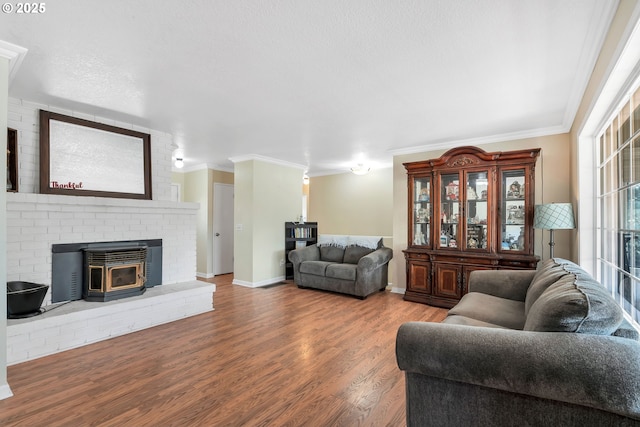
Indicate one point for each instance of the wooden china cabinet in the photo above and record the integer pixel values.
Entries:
(468, 210)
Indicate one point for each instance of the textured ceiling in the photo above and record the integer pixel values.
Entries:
(323, 84)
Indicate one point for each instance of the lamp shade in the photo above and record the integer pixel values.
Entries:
(554, 216)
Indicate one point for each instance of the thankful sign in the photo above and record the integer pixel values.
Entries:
(67, 186)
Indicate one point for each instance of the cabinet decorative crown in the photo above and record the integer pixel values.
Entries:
(462, 161)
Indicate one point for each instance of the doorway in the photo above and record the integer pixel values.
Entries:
(222, 228)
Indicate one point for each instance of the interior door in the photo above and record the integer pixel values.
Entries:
(222, 228)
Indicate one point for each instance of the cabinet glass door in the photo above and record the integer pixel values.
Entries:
(449, 210)
(477, 211)
(421, 211)
(513, 210)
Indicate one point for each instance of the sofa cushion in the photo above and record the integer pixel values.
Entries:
(467, 321)
(549, 271)
(331, 253)
(573, 304)
(352, 254)
(488, 308)
(342, 271)
(317, 268)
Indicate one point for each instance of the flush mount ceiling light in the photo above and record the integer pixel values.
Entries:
(361, 169)
(179, 162)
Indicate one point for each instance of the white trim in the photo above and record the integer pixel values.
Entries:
(380, 167)
(205, 275)
(600, 23)
(5, 391)
(244, 158)
(439, 145)
(15, 54)
(259, 284)
(400, 291)
(621, 76)
(622, 73)
(202, 166)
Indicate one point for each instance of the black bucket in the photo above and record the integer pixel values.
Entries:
(24, 299)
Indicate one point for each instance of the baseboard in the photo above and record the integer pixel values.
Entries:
(205, 275)
(5, 391)
(397, 290)
(259, 284)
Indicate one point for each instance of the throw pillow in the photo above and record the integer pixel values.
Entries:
(548, 273)
(353, 254)
(331, 253)
(575, 305)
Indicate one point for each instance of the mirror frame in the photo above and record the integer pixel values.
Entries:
(45, 158)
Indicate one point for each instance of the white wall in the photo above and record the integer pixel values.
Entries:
(37, 221)
(5, 391)
(24, 117)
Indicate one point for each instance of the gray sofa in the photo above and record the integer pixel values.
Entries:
(342, 266)
(537, 348)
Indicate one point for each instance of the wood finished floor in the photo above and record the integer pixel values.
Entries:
(276, 356)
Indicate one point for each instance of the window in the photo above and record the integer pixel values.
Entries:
(618, 205)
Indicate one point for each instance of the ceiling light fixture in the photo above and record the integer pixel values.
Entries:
(360, 169)
(179, 163)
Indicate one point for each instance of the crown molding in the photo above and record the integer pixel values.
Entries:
(202, 166)
(601, 20)
(15, 54)
(513, 136)
(244, 158)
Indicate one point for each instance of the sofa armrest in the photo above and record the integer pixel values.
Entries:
(509, 284)
(298, 256)
(308, 253)
(375, 259)
(591, 370)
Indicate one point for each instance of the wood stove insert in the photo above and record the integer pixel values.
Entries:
(114, 272)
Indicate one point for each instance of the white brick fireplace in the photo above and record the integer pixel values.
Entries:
(36, 221)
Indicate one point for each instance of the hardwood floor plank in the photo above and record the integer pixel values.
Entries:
(267, 356)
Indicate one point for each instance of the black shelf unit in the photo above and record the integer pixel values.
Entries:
(296, 235)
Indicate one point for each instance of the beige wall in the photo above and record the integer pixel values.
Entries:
(243, 221)
(353, 204)
(266, 196)
(552, 185)
(197, 186)
(196, 189)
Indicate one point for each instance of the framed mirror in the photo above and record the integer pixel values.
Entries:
(84, 158)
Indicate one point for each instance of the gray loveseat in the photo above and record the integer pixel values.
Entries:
(354, 265)
(537, 348)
